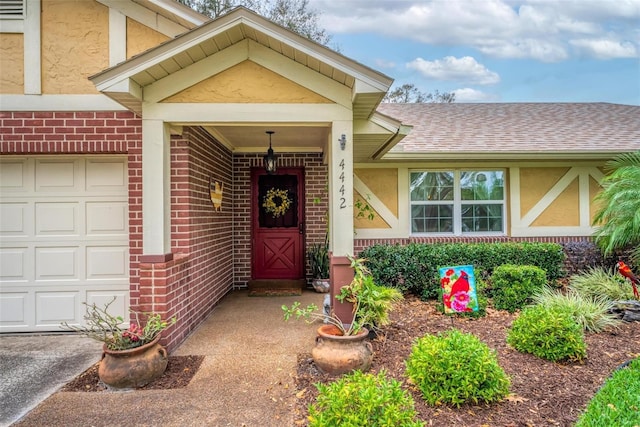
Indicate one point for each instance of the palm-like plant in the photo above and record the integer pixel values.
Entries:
(619, 214)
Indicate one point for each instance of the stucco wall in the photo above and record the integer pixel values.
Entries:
(535, 183)
(75, 45)
(141, 38)
(11, 63)
(384, 184)
(247, 83)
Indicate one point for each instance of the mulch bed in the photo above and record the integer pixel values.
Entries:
(543, 393)
(180, 371)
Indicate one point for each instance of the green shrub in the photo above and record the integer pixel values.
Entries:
(414, 267)
(454, 367)
(512, 286)
(617, 403)
(359, 399)
(549, 333)
(599, 282)
(592, 314)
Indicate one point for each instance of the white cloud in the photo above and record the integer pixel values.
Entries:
(472, 95)
(465, 69)
(605, 49)
(537, 29)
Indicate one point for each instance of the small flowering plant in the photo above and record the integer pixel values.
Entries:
(102, 326)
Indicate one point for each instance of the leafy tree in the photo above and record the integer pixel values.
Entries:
(619, 214)
(294, 15)
(409, 93)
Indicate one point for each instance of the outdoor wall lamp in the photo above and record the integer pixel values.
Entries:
(343, 141)
(270, 160)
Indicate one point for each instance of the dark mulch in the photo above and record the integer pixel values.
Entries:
(543, 393)
(180, 371)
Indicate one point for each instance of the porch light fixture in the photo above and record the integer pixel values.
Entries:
(270, 159)
(343, 141)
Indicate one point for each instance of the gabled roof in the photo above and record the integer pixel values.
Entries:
(125, 82)
(165, 16)
(515, 130)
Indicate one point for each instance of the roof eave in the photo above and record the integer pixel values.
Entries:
(514, 155)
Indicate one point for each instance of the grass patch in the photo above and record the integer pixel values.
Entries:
(617, 403)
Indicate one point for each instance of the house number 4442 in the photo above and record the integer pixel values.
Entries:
(343, 200)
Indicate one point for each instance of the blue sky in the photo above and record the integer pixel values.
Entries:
(496, 50)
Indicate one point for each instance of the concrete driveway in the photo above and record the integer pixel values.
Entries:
(34, 366)
(246, 379)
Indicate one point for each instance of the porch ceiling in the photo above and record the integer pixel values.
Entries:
(297, 138)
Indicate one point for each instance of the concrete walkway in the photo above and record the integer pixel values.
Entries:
(246, 378)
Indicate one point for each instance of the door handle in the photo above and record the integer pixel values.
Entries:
(301, 228)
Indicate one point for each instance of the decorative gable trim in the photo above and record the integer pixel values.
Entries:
(522, 225)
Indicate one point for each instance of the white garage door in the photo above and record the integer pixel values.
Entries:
(63, 239)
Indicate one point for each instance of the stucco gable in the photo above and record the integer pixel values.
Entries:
(247, 82)
(244, 35)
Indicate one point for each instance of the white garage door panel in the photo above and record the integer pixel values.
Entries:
(63, 239)
(13, 306)
(58, 219)
(53, 263)
(13, 176)
(13, 264)
(57, 175)
(13, 219)
(107, 263)
(55, 307)
(104, 176)
(106, 218)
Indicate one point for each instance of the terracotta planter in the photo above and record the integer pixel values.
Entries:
(338, 354)
(133, 368)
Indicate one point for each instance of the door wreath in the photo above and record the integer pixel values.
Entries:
(277, 202)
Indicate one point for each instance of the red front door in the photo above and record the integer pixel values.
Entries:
(277, 210)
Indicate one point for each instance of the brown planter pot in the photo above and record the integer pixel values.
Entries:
(338, 354)
(133, 368)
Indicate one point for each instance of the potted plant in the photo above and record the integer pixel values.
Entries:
(319, 262)
(342, 347)
(131, 357)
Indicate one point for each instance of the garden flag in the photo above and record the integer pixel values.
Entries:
(458, 289)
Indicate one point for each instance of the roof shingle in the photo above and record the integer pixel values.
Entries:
(517, 128)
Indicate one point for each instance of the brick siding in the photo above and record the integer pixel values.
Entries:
(316, 204)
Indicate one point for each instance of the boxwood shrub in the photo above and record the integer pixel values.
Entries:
(454, 368)
(360, 399)
(513, 286)
(414, 267)
(549, 332)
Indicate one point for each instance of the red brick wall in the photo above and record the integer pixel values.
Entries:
(101, 132)
(316, 204)
(68, 132)
(201, 272)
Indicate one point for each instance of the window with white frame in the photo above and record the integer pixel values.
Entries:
(457, 202)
